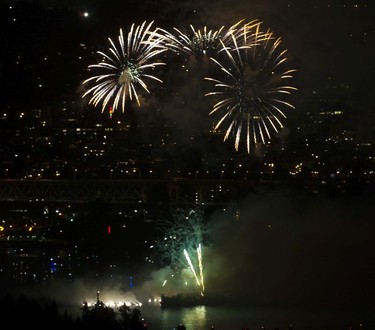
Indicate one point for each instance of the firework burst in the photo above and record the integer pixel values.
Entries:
(182, 244)
(125, 67)
(200, 42)
(252, 91)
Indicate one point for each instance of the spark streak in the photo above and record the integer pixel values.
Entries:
(200, 262)
(191, 267)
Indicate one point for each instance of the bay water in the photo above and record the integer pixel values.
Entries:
(238, 318)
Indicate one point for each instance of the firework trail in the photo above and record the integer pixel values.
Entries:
(125, 67)
(191, 266)
(200, 263)
(252, 90)
(199, 279)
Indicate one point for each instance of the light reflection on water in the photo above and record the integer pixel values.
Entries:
(227, 318)
(254, 318)
(196, 316)
(160, 319)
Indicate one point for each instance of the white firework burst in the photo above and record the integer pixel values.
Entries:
(200, 42)
(125, 67)
(251, 93)
(203, 41)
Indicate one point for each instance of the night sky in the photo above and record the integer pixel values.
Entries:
(49, 44)
(312, 248)
(331, 44)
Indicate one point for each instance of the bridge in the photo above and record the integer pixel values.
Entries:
(125, 191)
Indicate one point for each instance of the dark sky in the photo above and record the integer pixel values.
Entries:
(327, 40)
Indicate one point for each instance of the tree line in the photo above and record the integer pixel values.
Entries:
(22, 311)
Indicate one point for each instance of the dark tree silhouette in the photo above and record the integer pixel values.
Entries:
(25, 312)
(99, 316)
(131, 318)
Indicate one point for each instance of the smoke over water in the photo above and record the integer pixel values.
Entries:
(274, 247)
(279, 248)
